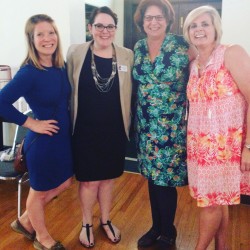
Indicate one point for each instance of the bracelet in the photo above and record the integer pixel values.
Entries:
(247, 146)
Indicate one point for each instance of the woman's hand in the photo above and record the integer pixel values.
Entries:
(245, 160)
(47, 127)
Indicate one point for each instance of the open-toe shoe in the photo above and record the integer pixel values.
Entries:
(91, 244)
(109, 224)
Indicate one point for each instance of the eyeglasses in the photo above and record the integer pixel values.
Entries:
(158, 18)
(100, 27)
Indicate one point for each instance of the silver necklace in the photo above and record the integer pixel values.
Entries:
(103, 84)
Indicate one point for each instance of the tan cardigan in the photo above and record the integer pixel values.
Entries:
(75, 58)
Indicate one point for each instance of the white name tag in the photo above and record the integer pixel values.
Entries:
(123, 68)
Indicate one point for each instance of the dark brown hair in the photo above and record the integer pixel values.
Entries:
(164, 5)
(104, 10)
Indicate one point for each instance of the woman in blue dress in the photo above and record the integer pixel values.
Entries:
(161, 73)
(42, 81)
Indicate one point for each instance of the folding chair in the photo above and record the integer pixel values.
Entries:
(7, 171)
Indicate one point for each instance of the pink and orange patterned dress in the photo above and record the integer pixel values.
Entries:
(216, 134)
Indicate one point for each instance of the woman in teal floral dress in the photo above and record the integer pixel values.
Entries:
(161, 73)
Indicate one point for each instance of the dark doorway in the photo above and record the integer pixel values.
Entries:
(181, 7)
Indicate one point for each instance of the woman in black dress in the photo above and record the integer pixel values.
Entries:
(100, 74)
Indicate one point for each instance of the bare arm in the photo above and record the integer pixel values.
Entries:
(42, 127)
(237, 61)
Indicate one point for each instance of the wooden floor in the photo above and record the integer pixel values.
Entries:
(130, 213)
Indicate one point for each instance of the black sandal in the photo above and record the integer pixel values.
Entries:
(90, 245)
(117, 239)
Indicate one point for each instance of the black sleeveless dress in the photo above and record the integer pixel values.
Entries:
(99, 139)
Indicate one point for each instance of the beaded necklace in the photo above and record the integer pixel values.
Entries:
(103, 84)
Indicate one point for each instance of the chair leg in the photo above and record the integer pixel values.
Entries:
(19, 198)
(22, 180)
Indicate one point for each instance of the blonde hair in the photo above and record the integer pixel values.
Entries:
(32, 56)
(216, 20)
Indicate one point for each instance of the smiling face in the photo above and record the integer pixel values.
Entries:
(155, 28)
(45, 39)
(202, 31)
(104, 38)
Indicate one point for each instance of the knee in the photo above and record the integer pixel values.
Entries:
(212, 209)
(69, 182)
(66, 184)
(90, 185)
(36, 197)
(106, 183)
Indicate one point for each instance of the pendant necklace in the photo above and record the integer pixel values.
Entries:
(103, 84)
(202, 67)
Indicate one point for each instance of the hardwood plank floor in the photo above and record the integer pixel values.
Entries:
(130, 212)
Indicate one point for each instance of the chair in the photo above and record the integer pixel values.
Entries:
(7, 171)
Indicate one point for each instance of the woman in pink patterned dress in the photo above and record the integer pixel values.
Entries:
(218, 142)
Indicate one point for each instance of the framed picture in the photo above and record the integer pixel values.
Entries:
(88, 10)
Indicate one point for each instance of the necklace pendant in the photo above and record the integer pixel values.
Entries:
(103, 84)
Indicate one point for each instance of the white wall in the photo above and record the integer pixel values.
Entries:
(100, 2)
(235, 22)
(13, 15)
(77, 21)
(118, 8)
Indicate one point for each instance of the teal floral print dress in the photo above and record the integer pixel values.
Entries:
(161, 110)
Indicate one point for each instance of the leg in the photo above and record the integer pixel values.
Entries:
(221, 235)
(88, 196)
(105, 196)
(25, 220)
(167, 203)
(154, 204)
(209, 224)
(35, 211)
(151, 236)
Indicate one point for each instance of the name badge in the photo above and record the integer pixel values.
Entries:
(123, 68)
